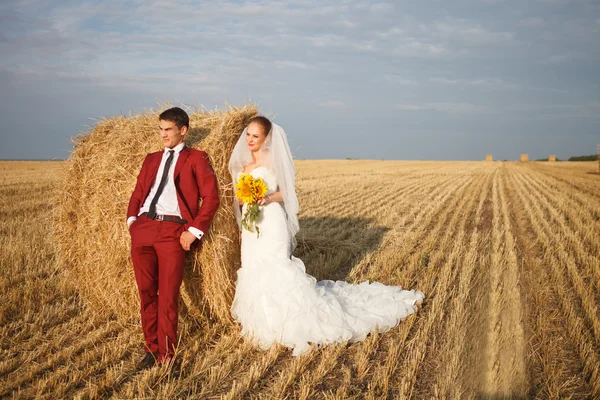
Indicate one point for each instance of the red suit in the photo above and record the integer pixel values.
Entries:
(157, 255)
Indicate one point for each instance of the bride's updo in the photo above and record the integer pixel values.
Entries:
(262, 121)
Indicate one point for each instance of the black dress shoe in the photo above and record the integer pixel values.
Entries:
(149, 360)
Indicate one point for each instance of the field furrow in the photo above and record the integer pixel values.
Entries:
(554, 365)
(580, 336)
(452, 361)
(577, 178)
(438, 281)
(580, 265)
(578, 221)
(506, 368)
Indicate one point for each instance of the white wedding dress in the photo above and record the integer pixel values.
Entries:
(277, 302)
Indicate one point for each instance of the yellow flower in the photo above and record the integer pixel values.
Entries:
(259, 188)
(244, 189)
(249, 191)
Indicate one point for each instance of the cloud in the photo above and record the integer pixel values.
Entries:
(532, 22)
(410, 107)
(589, 110)
(399, 80)
(389, 33)
(292, 64)
(481, 82)
(565, 57)
(470, 34)
(447, 108)
(335, 104)
(444, 81)
(419, 48)
(461, 108)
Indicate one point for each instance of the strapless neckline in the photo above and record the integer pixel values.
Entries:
(254, 169)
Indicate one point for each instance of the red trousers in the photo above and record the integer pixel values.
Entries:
(158, 260)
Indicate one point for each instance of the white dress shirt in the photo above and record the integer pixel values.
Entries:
(167, 202)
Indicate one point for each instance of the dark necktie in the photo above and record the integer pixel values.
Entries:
(161, 185)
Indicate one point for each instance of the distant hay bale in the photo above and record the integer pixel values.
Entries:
(552, 158)
(489, 157)
(524, 157)
(90, 229)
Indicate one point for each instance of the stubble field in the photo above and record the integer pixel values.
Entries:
(507, 254)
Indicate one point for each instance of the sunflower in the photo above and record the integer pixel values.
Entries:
(259, 188)
(249, 190)
(244, 190)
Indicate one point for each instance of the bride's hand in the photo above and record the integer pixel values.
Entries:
(240, 202)
(265, 200)
(271, 198)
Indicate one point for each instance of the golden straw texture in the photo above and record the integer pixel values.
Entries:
(90, 230)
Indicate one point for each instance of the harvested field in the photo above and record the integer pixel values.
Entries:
(507, 254)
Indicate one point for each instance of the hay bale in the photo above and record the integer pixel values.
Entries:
(552, 158)
(524, 157)
(488, 157)
(90, 231)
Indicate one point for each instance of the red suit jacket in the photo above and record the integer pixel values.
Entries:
(194, 180)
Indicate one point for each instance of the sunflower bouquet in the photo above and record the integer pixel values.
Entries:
(249, 190)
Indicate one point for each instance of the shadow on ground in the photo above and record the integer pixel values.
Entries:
(331, 247)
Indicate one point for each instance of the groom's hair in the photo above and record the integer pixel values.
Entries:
(262, 121)
(176, 115)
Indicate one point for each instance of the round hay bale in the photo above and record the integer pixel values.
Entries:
(90, 230)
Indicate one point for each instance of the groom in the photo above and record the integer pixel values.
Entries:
(164, 222)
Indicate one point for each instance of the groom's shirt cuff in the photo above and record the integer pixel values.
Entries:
(130, 221)
(196, 232)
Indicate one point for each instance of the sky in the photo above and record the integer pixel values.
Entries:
(410, 80)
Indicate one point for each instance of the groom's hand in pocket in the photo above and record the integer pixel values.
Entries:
(186, 239)
(130, 222)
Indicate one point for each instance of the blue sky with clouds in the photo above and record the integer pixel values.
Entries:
(434, 79)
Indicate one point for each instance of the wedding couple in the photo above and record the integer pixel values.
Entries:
(275, 300)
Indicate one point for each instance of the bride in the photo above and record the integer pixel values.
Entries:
(275, 300)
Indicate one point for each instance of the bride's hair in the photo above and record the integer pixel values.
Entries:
(262, 121)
